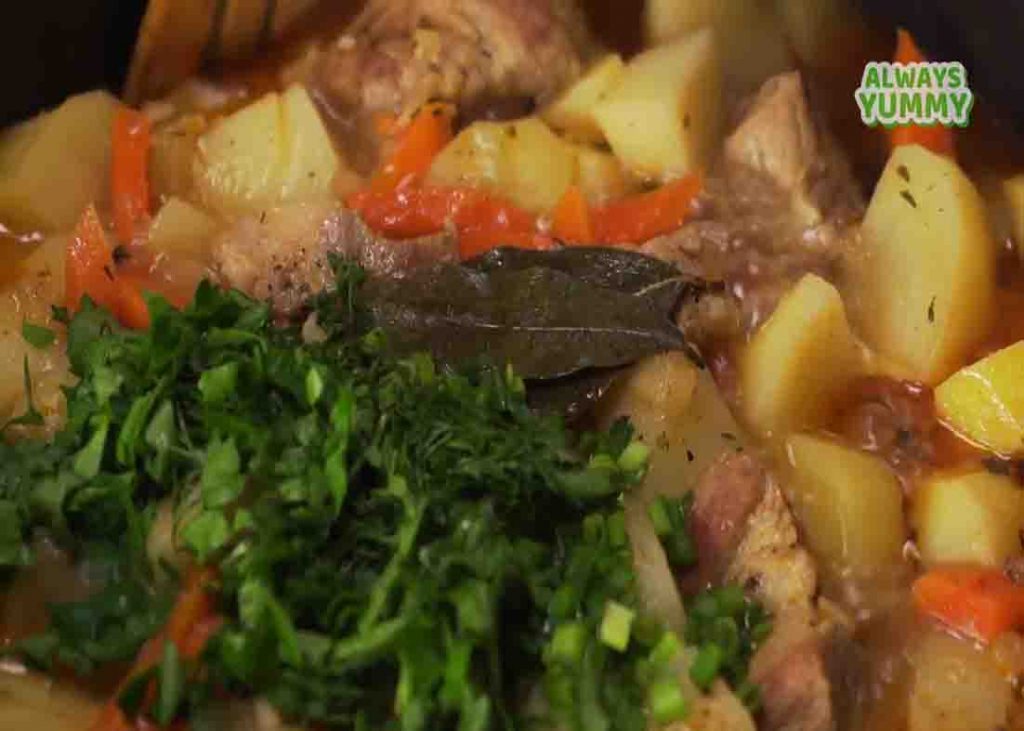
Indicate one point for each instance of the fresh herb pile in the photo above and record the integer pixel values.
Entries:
(394, 545)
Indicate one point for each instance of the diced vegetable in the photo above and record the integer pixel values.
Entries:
(181, 229)
(642, 216)
(523, 161)
(985, 402)
(750, 34)
(679, 413)
(935, 137)
(980, 603)
(129, 186)
(799, 362)
(664, 117)
(600, 175)
(273, 151)
(570, 221)
(922, 285)
(956, 686)
(172, 156)
(975, 517)
(71, 142)
(90, 271)
(850, 507)
(482, 221)
(656, 587)
(573, 111)
(616, 626)
(416, 147)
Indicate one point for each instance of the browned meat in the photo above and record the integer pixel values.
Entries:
(745, 533)
(398, 54)
(282, 255)
(781, 202)
(725, 497)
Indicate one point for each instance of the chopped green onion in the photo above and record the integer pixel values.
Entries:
(634, 457)
(170, 685)
(731, 600)
(659, 513)
(667, 649)
(666, 701)
(616, 626)
(706, 665)
(568, 643)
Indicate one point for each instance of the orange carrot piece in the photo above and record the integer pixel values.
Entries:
(637, 218)
(934, 137)
(191, 624)
(129, 179)
(90, 270)
(482, 221)
(570, 221)
(980, 603)
(416, 147)
(89, 265)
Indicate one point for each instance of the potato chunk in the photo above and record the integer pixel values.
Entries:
(601, 177)
(751, 35)
(923, 284)
(55, 165)
(275, 150)
(664, 117)
(522, 160)
(181, 229)
(799, 362)
(573, 112)
(985, 401)
(956, 686)
(968, 518)
(678, 411)
(850, 507)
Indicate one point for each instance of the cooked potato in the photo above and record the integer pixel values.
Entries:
(664, 116)
(985, 402)
(601, 177)
(180, 229)
(522, 160)
(73, 142)
(750, 35)
(658, 592)
(39, 286)
(679, 413)
(573, 112)
(172, 156)
(922, 285)
(275, 150)
(968, 518)
(955, 687)
(799, 362)
(850, 507)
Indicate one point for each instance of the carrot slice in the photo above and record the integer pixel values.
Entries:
(192, 622)
(129, 179)
(90, 270)
(637, 218)
(934, 137)
(416, 147)
(481, 220)
(981, 603)
(570, 221)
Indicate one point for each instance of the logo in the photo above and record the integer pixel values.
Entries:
(894, 94)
